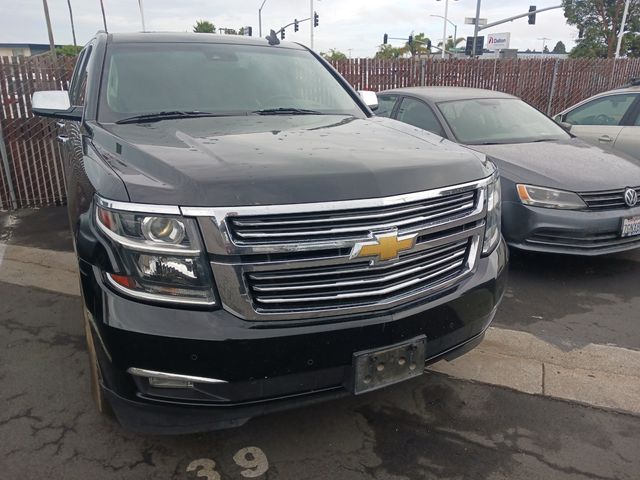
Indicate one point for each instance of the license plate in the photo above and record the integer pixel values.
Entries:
(630, 226)
(373, 369)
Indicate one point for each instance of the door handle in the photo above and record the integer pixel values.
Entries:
(63, 139)
(605, 139)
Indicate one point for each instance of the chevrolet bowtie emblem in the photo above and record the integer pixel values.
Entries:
(385, 246)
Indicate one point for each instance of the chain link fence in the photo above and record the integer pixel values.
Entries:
(30, 161)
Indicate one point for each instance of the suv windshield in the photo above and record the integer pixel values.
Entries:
(148, 78)
(498, 120)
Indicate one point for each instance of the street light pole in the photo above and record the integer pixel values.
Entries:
(52, 44)
(144, 29)
(73, 29)
(624, 23)
(444, 31)
(455, 27)
(260, 18)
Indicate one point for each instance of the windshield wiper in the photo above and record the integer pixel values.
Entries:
(173, 114)
(287, 111)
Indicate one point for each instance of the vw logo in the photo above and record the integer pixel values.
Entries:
(630, 197)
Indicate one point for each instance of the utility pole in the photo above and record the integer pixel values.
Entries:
(444, 32)
(52, 44)
(104, 18)
(311, 28)
(622, 27)
(140, 4)
(73, 29)
(476, 28)
(544, 42)
(260, 18)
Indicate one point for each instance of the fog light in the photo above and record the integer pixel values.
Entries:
(158, 382)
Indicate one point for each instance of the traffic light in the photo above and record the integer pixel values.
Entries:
(316, 19)
(295, 25)
(249, 31)
(282, 34)
(428, 44)
(385, 39)
(532, 17)
(410, 39)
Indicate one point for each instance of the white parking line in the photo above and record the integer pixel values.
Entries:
(598, 375)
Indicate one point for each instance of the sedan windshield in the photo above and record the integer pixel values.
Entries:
(147, 79)
(498, 120)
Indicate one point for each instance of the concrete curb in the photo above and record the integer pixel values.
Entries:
(598, 375)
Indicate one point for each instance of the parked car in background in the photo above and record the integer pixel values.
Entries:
(609, 119)
(560, 194)
(251, 238)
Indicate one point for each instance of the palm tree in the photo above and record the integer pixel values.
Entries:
(452, 43)
(419, 45)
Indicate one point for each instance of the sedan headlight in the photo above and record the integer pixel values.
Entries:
(549, 198)
(494, 217)
(162, 256)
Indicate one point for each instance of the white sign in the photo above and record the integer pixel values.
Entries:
(498, 41)
(472, 21)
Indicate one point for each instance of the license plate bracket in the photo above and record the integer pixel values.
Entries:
(380, 367)
(630, 226)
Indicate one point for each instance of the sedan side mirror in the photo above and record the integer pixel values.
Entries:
(567, 126)
(55, 104)
(370, 98)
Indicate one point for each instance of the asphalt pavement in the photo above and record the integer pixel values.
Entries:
(433, 427)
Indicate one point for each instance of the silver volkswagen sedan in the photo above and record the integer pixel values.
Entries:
(560, 194)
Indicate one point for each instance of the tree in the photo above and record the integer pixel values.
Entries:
(452, 44)
(599, 22)
(334, 55)
(545, 49)
(418, 46)
(560, 48)
(204, 26)
(68, 50)
(632, 43)
(388, 52)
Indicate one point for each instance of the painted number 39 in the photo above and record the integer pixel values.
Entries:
(251, 459)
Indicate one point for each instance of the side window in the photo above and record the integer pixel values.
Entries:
(79, 81)
(419, 114)
(385, 105)
(602, 111)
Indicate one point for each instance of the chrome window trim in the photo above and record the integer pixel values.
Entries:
(142, 372)
(249, 210)
(153, 297)
(138, 207)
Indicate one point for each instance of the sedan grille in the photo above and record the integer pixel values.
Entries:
(606, 200)
(316, 227)
(357, 284)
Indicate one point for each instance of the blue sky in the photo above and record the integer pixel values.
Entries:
(344, 24)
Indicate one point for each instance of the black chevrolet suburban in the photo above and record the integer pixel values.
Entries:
(251, 237)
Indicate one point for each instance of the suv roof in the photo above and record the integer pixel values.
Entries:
(177, 37)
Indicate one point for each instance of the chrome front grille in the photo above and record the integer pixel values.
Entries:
(300, 261)
(348, 224)
(357, 284)
(606, 200)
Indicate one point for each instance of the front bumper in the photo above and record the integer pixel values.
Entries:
(566, 231)
(267, 367)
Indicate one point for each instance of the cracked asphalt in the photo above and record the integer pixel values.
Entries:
(433, 427)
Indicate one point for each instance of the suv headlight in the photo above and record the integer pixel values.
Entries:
(162, 256)
(494, 217)
(549, 198)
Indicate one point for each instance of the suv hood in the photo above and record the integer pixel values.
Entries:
(261, 160)
(569, 165)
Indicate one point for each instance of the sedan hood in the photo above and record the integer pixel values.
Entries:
(261, 160)
(569, 165)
